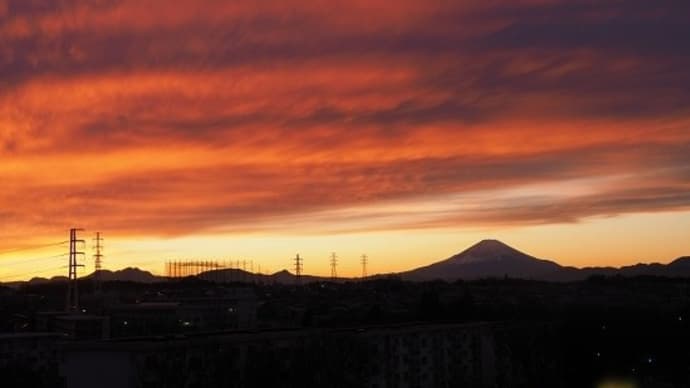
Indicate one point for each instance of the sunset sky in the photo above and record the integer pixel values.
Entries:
(406, 130)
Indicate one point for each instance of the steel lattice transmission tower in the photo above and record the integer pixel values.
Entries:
(299, 264)
(334, 264)
(365, 261)
(98, 262)
(72, 300)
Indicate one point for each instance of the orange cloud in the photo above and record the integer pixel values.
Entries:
(148, 119)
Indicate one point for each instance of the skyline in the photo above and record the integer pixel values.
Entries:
(406, 132)
(316, 265)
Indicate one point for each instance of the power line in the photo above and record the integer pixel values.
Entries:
(32, 247)
(31, 260)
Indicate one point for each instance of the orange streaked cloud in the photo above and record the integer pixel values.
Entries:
(148, 120)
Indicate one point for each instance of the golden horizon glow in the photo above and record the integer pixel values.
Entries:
(614, 241)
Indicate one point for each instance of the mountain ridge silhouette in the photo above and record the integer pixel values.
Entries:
(485, 259)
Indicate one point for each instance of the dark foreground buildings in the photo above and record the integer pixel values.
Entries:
(384, 334)
(471, 355)
(449, 355)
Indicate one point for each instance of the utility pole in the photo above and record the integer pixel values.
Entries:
(365, 260)
(98, 261)
(334, 264)
(299, 263)
(72, 300)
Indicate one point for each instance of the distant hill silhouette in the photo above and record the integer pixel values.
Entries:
(280, 277)
(682, 263)
(40, 280)
(128, 274)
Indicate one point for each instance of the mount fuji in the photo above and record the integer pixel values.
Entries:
(488, 258)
